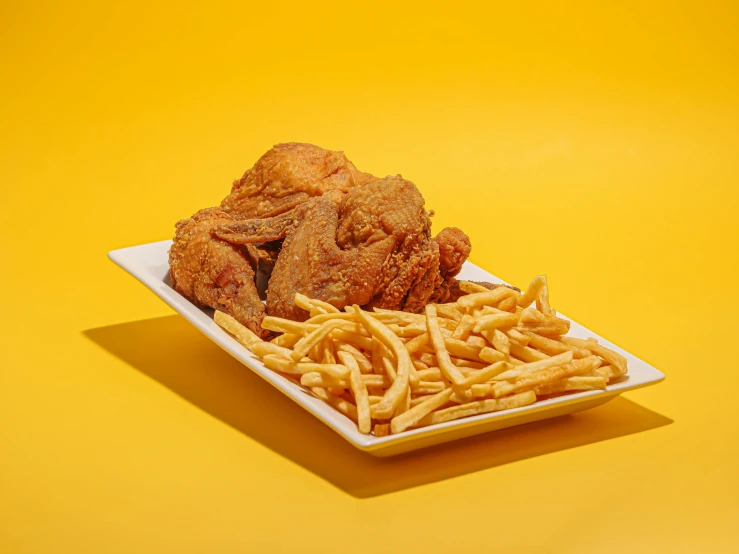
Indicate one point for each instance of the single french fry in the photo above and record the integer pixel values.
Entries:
(461, 349)
(479, 391)
(609, 372)
(479, 407)
(262, 349)
(509, 304)
(241, 333)
(613, 358)
(501, 342)
(310, 340)
(359, 341)
(398, 389)
(442, 355)
(429, 387)
(365, 366)
(381, 429)
(517, 337)
(471, 288)
(278, 363)
(413, 345)
(526, 354)
(329, 309)
(406, 419)
(465, 366)
(419, 365)
(476, 341)
(491, 356)
(359, 390)
(404, 405)
(542, 301)
(496, 321)
(520, 371)
(588, 382)
(317, 310)
(430, 374)
(389, 369)
(449, 311)
(532, 293)
(286, 340)
(315, 379)
(302, 301)
(465, 325)
(487, 298)
(485, 374)
(323, 318)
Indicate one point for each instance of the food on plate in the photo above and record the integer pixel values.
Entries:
(390, 371)
(213, 272)
(305, 220)
(288, 175)
(371, 247)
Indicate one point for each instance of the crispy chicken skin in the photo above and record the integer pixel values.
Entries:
(374, 248)
(213, 272)
(454, 248)
(288, 175)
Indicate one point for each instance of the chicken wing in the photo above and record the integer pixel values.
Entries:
(213, 272)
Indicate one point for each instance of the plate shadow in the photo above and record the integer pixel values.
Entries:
(169, 350)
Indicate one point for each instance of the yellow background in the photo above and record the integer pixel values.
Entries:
(597, 144)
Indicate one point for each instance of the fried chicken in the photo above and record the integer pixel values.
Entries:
(372, 249)
(454, 248)
(288, 175)
(213, 272)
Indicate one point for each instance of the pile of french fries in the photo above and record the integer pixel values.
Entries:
(389, 371)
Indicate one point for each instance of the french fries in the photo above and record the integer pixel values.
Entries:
(390, 371)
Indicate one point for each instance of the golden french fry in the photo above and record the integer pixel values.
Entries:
(526, 354)
(542, 301)
(491, 356)
(609, 372)
(245, 336)
(262, 348)
(465, 325)
(588, 382)
(359, 390)
(485, 374)
(521, 370)
(404, 405)
(613, 358)
(471, 288)
(381, 429)
(352, 338)
(476, 341)
(515, 336)
(501, 342)
(365, 366)
(315, 379)
(399, 388)
(479, 391)
(323, 318)
(487, 298)
(429, 387)
(449, 311)
(406, 419)
(302, 301)
(328, 308)
(419, 365)
(479, 407)
(286, 340)
(283, 365)
(316, 311)
(389, 369)
(465, 366)
(496, 321)
(509, 304)
(430, 374)
(416, 343)
(442, 355)
(310, 340)
(461, 349)
(532, 293)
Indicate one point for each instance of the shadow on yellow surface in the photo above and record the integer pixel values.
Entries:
(175, 354)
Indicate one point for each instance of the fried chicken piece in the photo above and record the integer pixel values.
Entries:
(454, 248)
(288, 175)
(213, 272)
(374, 249)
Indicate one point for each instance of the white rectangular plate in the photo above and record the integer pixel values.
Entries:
(149, 264)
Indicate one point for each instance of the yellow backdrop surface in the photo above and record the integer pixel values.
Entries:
(595, 143)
